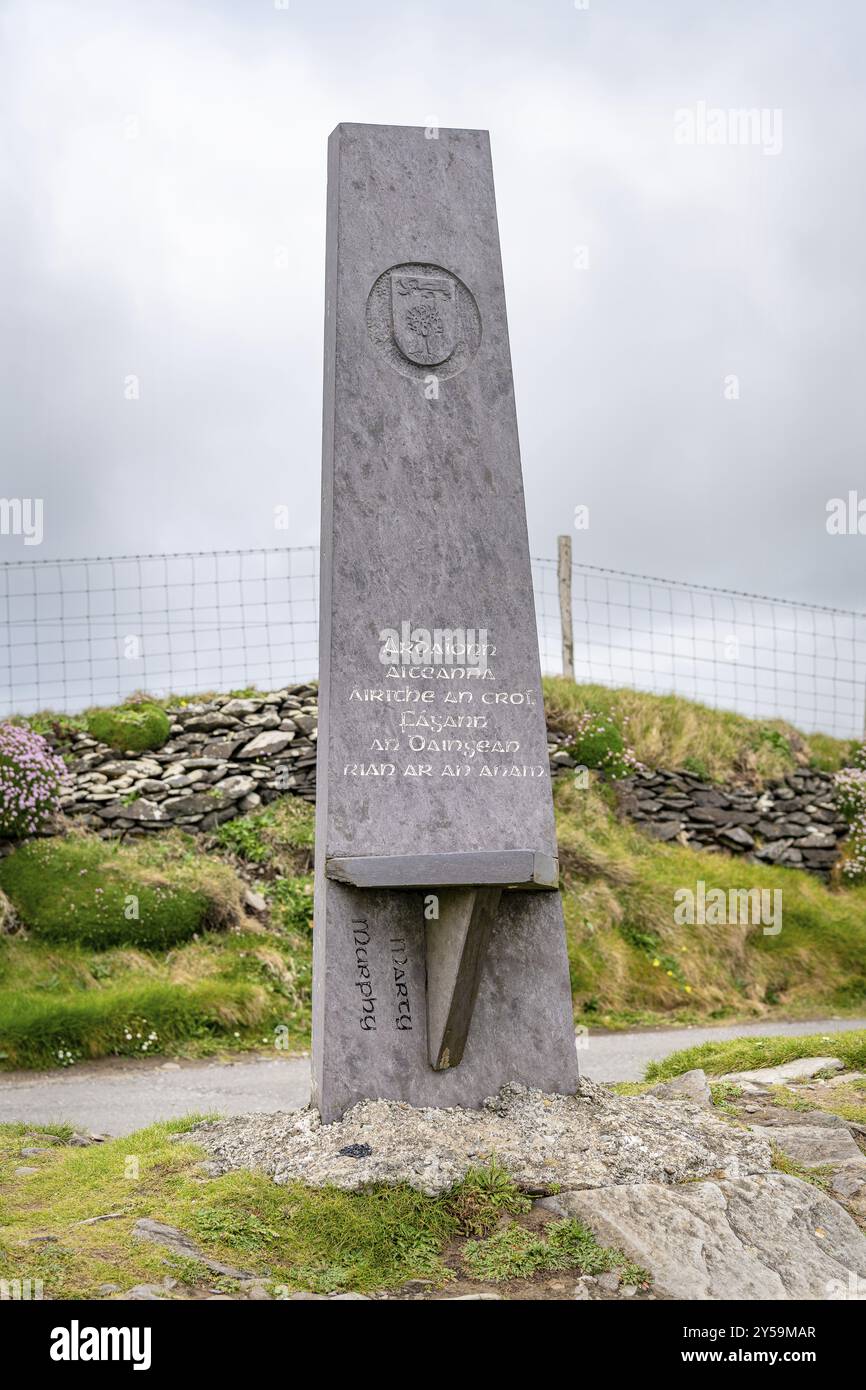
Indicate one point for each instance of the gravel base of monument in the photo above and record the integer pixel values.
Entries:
(593, 1138)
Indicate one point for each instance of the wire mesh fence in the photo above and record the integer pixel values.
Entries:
(761, 656)
(92, 631)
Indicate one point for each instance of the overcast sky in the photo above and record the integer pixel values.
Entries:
(162, 176)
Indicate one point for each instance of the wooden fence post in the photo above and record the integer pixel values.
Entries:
(565, 618)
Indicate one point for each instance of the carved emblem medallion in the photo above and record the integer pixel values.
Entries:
(423, 320)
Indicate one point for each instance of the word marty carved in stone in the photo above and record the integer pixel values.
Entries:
(399, 961)
(435, 1008)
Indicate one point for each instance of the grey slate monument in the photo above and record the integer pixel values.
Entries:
(440, 969)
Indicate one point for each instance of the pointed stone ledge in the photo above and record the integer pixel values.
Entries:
(518, 868)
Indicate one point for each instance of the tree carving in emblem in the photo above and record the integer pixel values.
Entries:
(425, 321)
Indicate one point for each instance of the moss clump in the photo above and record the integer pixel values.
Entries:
(600, 745)
(86, 891)
(129, 728)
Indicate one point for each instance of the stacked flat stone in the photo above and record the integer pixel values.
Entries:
(227, 757)
(224, 758)
(794, 821)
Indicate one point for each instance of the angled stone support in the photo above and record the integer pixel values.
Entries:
(456, 948)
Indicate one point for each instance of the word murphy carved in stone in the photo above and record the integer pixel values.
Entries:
(440, 970)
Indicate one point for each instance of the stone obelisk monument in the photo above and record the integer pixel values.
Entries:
(440, 969)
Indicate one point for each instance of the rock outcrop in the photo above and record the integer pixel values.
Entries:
(769, 1236)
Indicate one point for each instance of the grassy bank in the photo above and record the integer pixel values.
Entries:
(234, 983)
(150, 948)
(668, 731)
(249, 984)
(60, 1005)
(747, 1054)
(631, 963)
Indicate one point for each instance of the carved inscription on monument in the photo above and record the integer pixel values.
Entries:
(399, 963)
(434, 710)
(370, 973)
(364, 976)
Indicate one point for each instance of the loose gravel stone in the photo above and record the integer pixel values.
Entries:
(591, 1139)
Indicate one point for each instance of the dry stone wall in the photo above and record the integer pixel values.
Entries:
(226, 757)
(793, 822)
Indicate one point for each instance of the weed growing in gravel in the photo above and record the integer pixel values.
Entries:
(483, 1198)
(723, 1093)
(820, 1176)
(514, 1252)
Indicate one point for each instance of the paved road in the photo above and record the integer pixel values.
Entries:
(624, 1056)
(118, 1096)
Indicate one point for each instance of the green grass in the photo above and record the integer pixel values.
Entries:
(484, 1197)
(846, 1098)
(88, 891)
(668, 731)
(192, 969)
(723, 1095)
(297, 1238)
(514, 1252)
(632, 964)
(63, 1004)
(629, 962)
(279, 838)
(142, 1020)
(820, 1175)
(747, 1054)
